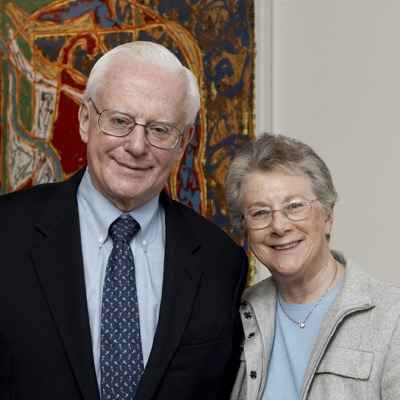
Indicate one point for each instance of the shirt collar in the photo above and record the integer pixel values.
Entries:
(105, 213)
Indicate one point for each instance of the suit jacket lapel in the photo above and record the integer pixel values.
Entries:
(181, 279)
(57, 257)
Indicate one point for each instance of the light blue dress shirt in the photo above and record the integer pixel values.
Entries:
(96, 214)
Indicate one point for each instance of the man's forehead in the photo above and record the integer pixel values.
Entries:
(122, 64)
(150, 86)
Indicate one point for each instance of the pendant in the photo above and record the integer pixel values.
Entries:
(301, 324)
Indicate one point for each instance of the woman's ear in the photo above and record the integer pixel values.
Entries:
(328, 221)
(83, 117)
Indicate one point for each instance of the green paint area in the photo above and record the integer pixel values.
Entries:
(24, 47)
(30, 6)
(4, 141)
(25, 104)
(5, 24)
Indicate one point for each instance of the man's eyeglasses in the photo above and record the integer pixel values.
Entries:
(295, 210)
(158, 134)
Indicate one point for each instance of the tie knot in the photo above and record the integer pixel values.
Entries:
(124, 228)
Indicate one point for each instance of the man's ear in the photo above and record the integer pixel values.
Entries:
(186, 138)
(83, 117)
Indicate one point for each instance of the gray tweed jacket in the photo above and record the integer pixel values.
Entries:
(356, 356)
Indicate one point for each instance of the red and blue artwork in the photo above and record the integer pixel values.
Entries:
(47, 49)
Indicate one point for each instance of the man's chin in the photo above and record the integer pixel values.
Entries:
(131, 197)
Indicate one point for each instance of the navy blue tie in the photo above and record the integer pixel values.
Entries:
(121, 358)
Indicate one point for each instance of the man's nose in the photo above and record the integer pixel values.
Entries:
(136, 140)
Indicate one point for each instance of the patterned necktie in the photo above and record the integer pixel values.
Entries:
(121, 358)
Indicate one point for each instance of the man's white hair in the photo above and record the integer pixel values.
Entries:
(152, 54)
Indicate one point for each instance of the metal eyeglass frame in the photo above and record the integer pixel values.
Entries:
(99, 113)
(309, 204)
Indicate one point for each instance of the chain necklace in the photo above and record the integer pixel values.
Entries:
(302, 323)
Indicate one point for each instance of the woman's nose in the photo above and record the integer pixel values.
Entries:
(280, 223)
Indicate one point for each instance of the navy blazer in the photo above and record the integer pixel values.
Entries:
(45, 344)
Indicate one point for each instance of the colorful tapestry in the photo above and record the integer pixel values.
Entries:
(47, 49)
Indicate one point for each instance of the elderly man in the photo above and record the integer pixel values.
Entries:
(109, 289)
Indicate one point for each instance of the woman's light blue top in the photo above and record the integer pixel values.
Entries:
(293, 345)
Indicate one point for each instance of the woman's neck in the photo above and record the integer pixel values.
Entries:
(306, 289)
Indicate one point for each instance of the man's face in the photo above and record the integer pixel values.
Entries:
(128, 170)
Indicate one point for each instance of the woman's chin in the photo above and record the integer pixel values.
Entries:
(286, 271)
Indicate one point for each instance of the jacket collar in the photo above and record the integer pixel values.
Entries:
(355, 296)
(182, 276)
(356, 292)
(57, 259)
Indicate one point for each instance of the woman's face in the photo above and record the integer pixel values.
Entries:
(291, 250)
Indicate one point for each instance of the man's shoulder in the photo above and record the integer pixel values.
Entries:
(36, 200)
(35, 192)
(30, 196)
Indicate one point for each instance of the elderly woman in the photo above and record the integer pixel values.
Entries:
(319, 327)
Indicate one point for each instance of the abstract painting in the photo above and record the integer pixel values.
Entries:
(47, 49)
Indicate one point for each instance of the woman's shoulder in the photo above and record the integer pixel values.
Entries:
(382, 294)
(259, 291)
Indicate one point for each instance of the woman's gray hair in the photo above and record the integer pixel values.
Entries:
(276, 152)
(152, 54)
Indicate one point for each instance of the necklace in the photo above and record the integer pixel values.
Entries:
(302, 323)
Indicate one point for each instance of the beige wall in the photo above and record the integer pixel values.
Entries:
(328, 73)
